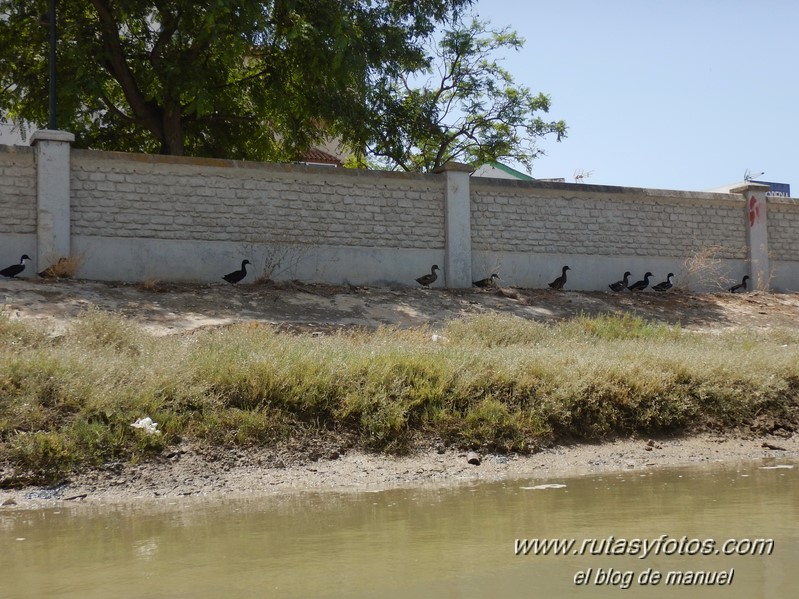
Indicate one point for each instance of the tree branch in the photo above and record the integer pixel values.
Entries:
(117, 66)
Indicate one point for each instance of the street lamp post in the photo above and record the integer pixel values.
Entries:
(52, 123)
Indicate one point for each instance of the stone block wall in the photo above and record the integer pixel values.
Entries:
(783, 229)
(542, 217)
(156, 197)
(17, 190)
(134, 216)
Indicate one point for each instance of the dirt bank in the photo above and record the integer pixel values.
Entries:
(184, 473)
(165, 308)
(331, 463)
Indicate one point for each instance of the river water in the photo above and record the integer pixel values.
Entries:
(451, 542)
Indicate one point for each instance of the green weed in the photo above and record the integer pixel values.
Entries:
(494, 382)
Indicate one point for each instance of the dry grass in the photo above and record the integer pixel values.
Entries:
(493, 382)
(65, 267)
(151, 284)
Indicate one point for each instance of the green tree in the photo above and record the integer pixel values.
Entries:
(462, 106)
(258, 80)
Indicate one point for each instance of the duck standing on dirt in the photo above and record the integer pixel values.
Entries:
(740, 287)
(427, 280)
(561, 280)
(237, 275)
(642, 284)
(13, 270)
(621, 285)
(489, 282)
(665, 285)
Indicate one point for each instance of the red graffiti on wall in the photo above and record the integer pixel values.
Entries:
(754, 211)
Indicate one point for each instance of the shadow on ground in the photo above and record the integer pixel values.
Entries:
(165, 308)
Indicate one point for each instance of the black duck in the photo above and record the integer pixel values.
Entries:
(641, 285)
(13, 270)
(237, 275)
(665, 285)
(489, 282)
(740, 287)
(561, 280)
(427, 280)
(621, 285)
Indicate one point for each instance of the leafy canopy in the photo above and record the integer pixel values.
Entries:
(258, 80)
(462, 106)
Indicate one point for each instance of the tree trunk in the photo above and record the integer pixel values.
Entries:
(163, 123)
(172, 132)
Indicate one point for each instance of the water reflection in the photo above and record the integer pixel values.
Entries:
(428, 542)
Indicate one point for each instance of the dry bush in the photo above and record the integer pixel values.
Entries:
(281, 258)
(150, 284)
(705, 270)
(64, 268)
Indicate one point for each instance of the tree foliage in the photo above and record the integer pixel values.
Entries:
(462, 106)
(221, 78)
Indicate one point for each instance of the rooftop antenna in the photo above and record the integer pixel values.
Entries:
(581, 175)
(748, 176)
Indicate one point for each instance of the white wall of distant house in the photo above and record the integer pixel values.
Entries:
(10, 135)
(487, 170)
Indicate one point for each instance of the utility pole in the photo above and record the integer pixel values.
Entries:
(52, 122)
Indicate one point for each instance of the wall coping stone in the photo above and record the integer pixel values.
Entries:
(525, 186)
(15, 149)
(51, 135)
(269, 167)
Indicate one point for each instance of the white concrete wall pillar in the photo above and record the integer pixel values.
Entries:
(457, 225)
(756, 222)
(53, 195)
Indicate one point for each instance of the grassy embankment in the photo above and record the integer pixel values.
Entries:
(495, 382)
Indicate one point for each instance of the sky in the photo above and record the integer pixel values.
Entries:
(663, 94)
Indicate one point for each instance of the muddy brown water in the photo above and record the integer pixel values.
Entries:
(736, 524)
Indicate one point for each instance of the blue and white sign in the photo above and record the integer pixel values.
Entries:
(776, 190)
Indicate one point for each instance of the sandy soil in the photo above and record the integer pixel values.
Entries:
(165, 308)
(170, 308)
(184, 473)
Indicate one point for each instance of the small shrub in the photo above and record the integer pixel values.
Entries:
(151, 284)
(496, 330)
(64, 268)
(615, 327)
(50, 454)
(385, 426)
(232, 426)
(96, 329)
(490, 424)
(706, 270)
(18, 334)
